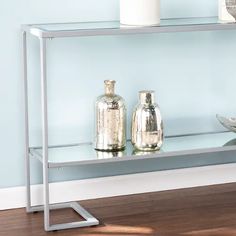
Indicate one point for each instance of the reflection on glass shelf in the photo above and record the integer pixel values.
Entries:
(230, 143)
(173, 146)
(114, 27)
(107, 155)
(117, 25)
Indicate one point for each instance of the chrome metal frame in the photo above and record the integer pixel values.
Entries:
(43, 36)
(89, 219)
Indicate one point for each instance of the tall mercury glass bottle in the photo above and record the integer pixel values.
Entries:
(110, 125)
(147, 124)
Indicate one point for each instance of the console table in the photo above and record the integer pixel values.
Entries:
(83, 153)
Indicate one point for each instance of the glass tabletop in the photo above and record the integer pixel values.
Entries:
(189, 144)
(108, 27)
(117, 25)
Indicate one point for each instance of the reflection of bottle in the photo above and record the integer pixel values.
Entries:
(145, 153)
(107, 155)
(110, 120)
(147, 125)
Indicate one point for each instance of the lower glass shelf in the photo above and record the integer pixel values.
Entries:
(77, 154)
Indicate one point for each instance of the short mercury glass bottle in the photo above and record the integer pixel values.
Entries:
(110, 124)
(147, 124)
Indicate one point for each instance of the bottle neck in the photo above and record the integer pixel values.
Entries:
(109, 87)
(147, 97)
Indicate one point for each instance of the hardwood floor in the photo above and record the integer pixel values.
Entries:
(197, 211)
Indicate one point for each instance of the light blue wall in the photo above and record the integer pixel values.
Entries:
(192, 73)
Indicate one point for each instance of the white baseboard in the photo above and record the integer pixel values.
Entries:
(121, 185)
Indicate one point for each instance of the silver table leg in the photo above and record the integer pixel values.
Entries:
(27, 157)
(45, 130)
(89, 219)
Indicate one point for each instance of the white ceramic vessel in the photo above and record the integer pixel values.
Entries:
(140, 12)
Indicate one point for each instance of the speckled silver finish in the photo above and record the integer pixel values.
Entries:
(231, 7)
(110, 125)
(147, 125)
(228, 123)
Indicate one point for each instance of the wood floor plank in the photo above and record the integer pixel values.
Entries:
(204, 211)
